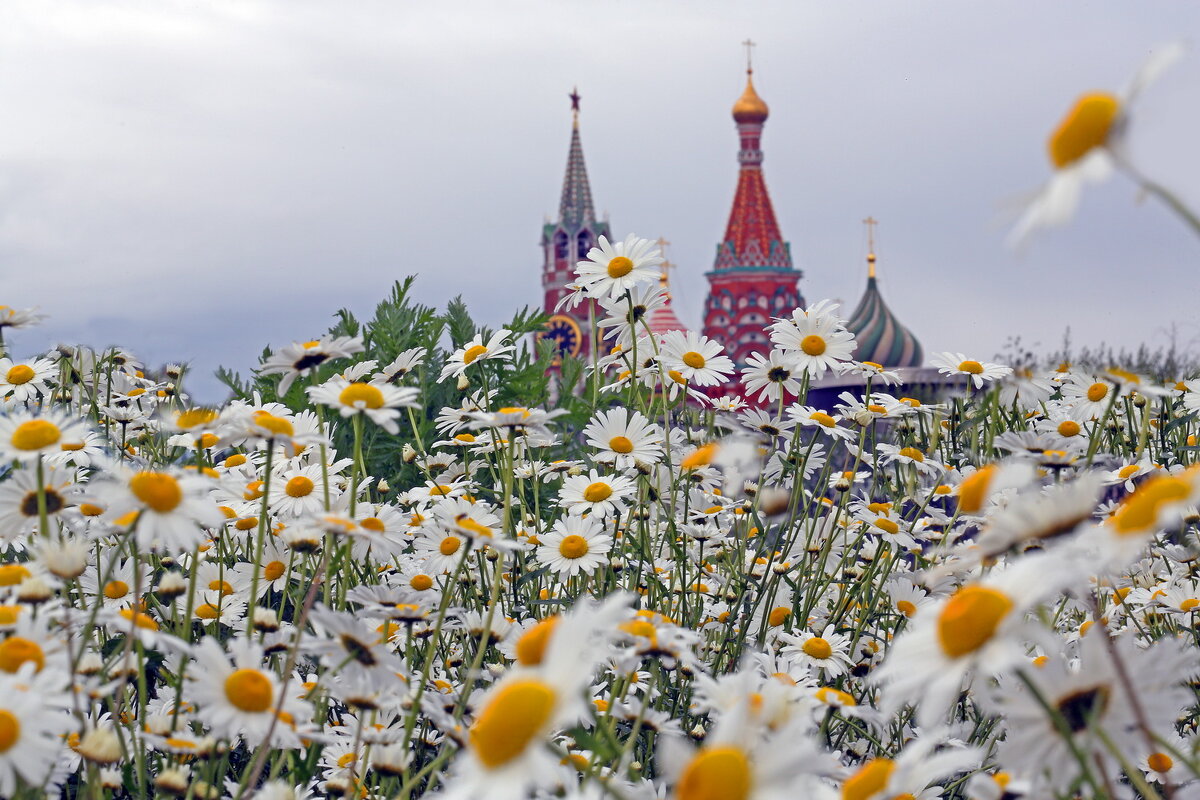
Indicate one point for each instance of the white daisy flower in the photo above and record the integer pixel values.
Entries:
(596, 494)
(611, 269)
(624, 438)
(827, 653)
(238, 700)
(301, 358)
(575, 544)
(380, 402)
(978, 372)
(694, 357)
(497, 347)
(815, 340)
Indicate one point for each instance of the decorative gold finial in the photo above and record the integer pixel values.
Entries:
(749, 107)
(574, 95)
(870, 222)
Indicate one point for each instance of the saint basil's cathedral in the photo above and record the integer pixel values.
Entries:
(752, 280)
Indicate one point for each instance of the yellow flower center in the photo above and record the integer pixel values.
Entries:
(531, 647)
(1138, 513)
(870, 780)
(299, 486)
(115, 590)
(21, 373)
(1097, 392)
(1068, 427)
(510, 721)
(17, 650)
(221, 587)
(619, 267)
(35, 434)
(716, 773)
(273, 570)
(812, 345)
(822, 418)
(1085, 127)
(142, 620)
(1189, 604)
(361, 395)
(573, 546)
(1127, 470)
(832, 696)
(677, 376)
(473, 352)
(620, 444)
(422, 583)
(1160, 762)
(273, 424)
(778, 616)
(156, 490)
(468, 524)
(817, 647)
(906, 608)
(10, 730)
(693, 359)
(449, 546)
(13, 574)
(887, 526)
(597, 492)
(970, 619)
(971, 367)
(249, 690)
(974, 489)
(207, 611)
(195, 417)
(913, 453)
(701, 457)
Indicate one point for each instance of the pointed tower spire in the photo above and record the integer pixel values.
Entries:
(881, 338)
(752, 279)
(566, 241)
(576, 206)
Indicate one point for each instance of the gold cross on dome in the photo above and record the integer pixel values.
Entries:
(870, 222)
(748, 44)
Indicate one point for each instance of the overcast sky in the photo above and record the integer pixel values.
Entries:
(195, 180)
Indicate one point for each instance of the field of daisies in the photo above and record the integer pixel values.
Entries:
(417, 558)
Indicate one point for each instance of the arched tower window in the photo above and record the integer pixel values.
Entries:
(560, 244)
(585, 243)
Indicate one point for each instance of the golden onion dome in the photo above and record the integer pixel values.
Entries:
(750, 107)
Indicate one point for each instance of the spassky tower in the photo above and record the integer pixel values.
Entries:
(752, 279)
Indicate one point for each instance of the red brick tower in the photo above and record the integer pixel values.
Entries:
(752, 279)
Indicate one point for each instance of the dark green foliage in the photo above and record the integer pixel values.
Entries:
(400, 324)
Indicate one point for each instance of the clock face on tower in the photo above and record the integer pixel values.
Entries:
(565, 333)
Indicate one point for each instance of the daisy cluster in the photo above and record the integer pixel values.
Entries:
(678, 579)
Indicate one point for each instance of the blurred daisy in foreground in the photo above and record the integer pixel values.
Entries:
(1086, 146)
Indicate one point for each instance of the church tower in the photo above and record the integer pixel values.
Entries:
(752, 279)
(566, 242)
